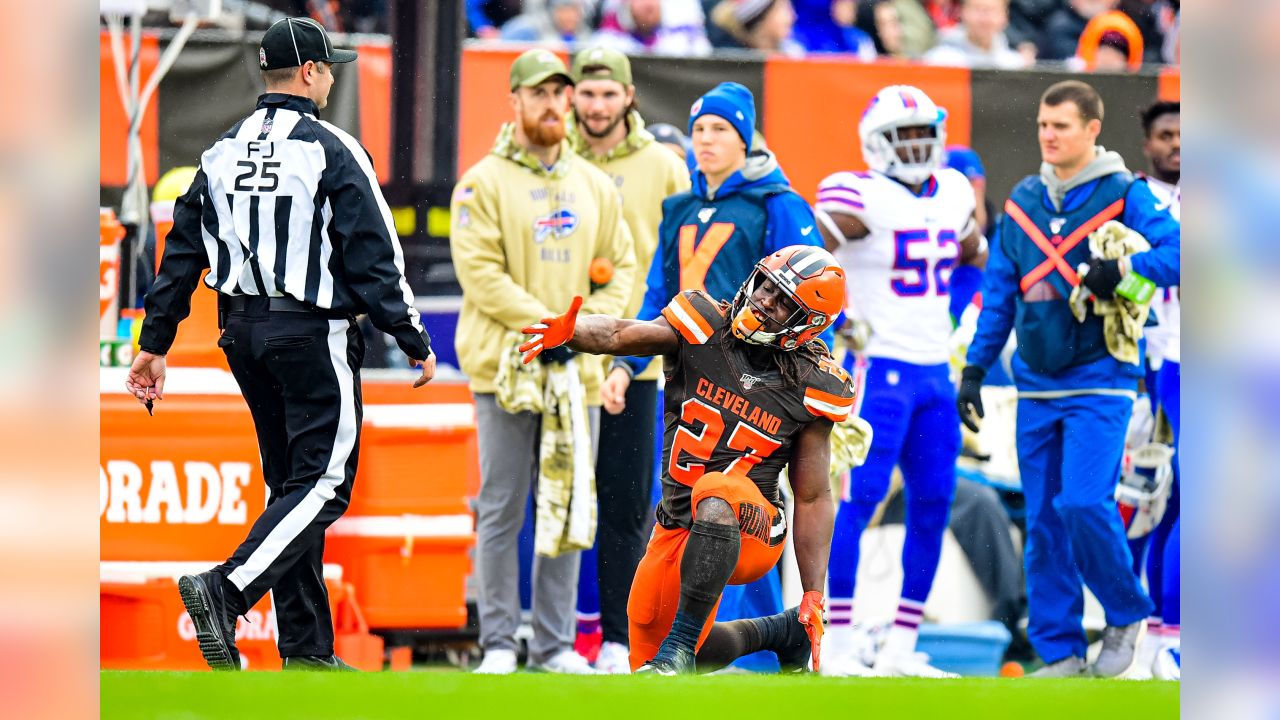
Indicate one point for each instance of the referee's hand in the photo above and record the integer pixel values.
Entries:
(428, 370)
(145, 380)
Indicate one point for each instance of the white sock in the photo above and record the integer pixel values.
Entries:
(902, 636)
(839, 626)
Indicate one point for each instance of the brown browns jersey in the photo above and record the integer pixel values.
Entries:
(724, 414)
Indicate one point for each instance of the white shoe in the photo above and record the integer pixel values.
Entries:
(844, 666)
(1145, 660)
(914, 664)
(565, 662)
(1119, 649)
(858, 643)
(1168, 665)
(1067, 667)
(614, 659)
(497, 662)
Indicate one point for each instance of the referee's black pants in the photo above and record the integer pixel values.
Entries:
(624, 481)
(300, 374)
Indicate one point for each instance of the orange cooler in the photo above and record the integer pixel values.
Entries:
(145, 627)
(411, 570)
(416, 459)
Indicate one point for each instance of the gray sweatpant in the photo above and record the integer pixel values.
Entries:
(508, 468)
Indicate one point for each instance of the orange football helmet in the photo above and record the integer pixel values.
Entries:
(810, 278)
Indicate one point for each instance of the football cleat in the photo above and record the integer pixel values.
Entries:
(845, 666)
(914, 664)
(215, 622)
(333, 663)
(1168, 665)
(671, 659)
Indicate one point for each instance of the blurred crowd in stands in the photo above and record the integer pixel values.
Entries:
(1089, 35)
(1104, 35)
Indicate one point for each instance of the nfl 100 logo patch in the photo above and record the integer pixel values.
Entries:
(559, 224)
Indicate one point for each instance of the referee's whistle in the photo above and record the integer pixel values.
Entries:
(150, 404)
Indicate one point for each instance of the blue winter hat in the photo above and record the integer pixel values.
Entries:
(731, 101)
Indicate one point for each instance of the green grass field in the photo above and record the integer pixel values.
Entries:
(449, 695)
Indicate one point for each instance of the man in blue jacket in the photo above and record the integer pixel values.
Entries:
(1074, 398)
(740, 208)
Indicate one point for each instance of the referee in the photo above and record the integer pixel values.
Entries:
(286, 214)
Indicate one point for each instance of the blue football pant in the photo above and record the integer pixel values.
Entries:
(912, 411)
(1069, 453)
(1169, 585)
(1155, 551)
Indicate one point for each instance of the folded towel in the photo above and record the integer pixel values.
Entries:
(565, 503)
(1122, 319)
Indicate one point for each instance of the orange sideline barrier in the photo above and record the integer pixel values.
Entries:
(375, 106)
(1170, 84)
(145, 627)
(187, 484)
(113, 123)
(184, 485)
(811, 110)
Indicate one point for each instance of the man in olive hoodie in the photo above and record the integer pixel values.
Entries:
(527, 220)
(606, 129)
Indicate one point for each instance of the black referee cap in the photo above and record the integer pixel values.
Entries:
(293, 41)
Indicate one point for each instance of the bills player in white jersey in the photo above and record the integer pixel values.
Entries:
(900, 231)
(1160, 653)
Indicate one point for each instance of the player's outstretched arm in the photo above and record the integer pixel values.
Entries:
(599, 334)
(605, 335)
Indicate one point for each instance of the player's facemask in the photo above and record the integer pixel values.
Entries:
(809, 279)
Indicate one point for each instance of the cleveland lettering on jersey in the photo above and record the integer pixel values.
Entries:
(738, 405)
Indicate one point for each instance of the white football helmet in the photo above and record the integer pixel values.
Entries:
(1143, 492)
(893, 108)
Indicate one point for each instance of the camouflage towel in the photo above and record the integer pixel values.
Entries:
(1122, 319)
(566, 496)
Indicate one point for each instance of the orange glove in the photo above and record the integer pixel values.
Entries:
(551, 332)
(811, 608)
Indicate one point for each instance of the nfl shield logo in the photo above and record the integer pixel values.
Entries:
(266, 126)
(262, 58)
(748, 381)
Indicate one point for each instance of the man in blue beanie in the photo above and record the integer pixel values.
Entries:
(741, 208)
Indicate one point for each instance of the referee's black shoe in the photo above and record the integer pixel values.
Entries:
(205, 598)
(333, 663)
